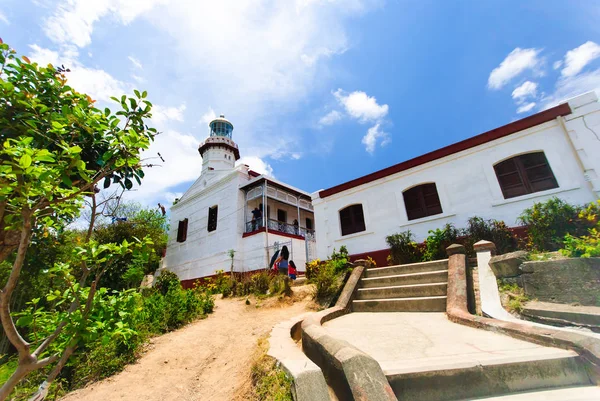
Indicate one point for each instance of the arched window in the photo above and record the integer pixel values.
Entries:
(352, 219)
(422, 201)
(525, 174)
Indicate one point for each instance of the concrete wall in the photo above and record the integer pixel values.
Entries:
(565, 281)
(467, 184)
(205, 252)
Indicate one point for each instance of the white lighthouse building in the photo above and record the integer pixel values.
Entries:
(214, 216)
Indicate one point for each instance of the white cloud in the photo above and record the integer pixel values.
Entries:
(136, 63)
(578, 58)
(375, 134)
(330, 118)
(97, 83)
(527, 89)
(208, 116)
(569, 87)
(257, 164)
(526, 107)
(514, 64)
(73, 21)
(182, 164)
(138, 79)
(557, 64)
(361, 106)
(3, 18)
(161, 114)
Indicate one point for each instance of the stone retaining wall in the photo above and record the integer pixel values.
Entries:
(574, 280)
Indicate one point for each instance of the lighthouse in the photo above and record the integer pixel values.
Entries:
(219, 151)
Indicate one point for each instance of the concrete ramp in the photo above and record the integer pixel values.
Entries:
(428, 358)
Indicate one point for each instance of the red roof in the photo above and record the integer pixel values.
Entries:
(497, 133)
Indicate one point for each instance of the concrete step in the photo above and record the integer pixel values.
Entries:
(408, 268)
(578, 393)
(417, 304)
(403, 291)
(437, 276)
(488, 378)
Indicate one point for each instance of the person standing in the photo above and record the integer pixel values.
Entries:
(282, 260)
(256, 219)
(292, 271)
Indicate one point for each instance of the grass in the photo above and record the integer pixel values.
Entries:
(7, 369)
(516, 296)
(269, 381)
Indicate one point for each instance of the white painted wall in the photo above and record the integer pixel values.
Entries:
(467, 184)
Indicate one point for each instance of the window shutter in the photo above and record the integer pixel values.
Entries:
(525, 174)
(422, 201)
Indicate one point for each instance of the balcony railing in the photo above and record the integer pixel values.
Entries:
(280, 226)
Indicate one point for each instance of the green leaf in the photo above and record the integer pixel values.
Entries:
(24, 321)
(106, 182)
(67, 181)
(128, 183)
(25, 161)
(137, 93)
(75, 149)
(144, 94)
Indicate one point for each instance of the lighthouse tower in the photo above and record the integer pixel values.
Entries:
(219, 151)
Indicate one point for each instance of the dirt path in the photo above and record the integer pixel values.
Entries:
(208, 360)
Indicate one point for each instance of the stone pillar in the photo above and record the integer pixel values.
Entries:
(457, 279)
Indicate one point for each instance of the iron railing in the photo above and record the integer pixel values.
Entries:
(280, 226)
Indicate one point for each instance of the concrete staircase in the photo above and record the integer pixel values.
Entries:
(417, 287)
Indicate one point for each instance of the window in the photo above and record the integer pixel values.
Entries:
(352, 219)
(281, 215)
(182, 230)
(422, 201)
(309, 225)
(212, 218)
(525, 174)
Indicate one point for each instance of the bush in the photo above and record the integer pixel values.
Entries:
(587, 245)
(549, 222)
(325, 282)
(438, 240)
(403, 248)
(490, 230)
(166, 281)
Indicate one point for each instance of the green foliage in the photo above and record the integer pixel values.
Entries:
(403, 249)
(167, 281)
(489, 230)
(515, 296)
(438, 240)
(141, 222)
(269, 380)
(585, 246)
(56, 145)
(549, 222)
(326, 282)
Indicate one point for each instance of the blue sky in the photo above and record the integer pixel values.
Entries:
(319, 91)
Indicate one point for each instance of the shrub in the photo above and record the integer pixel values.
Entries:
(549, 222)
(403, 248)
(438, 240)
(490, 230)
(325, 282)
(312, 268)
(166, 281)
(585, 246)
(260, 283)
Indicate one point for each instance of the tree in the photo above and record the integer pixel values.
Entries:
(56, 146)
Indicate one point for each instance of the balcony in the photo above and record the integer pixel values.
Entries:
(276, 226)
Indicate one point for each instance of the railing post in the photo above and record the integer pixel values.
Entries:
(456, 300)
